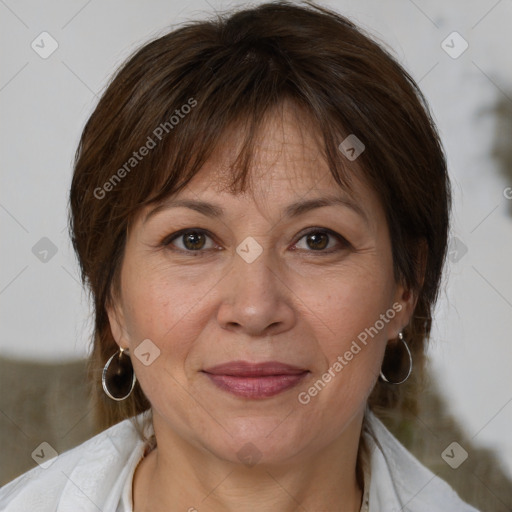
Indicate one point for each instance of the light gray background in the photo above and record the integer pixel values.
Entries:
(45, 102)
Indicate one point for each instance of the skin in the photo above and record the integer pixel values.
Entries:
(295, 304)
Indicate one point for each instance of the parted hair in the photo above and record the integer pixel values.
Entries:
(177, 96)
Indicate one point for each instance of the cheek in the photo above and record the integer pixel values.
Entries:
(348, 302)
(352, 332)
(166, 309)
(159, 300)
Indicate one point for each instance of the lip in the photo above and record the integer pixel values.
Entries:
(255, 380)
(247, 369)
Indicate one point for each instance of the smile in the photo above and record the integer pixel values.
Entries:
(255, 380)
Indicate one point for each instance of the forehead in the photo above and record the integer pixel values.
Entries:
(287, 157)
(287, 164)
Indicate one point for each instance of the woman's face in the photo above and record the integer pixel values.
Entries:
(268, 276)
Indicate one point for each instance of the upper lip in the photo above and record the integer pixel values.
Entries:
(247, 369)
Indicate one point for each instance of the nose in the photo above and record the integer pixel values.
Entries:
(256, 300)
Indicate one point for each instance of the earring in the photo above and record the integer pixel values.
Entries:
(118, 377)
(385, 379)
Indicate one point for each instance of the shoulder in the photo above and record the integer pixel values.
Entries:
(84, 475)
(399, 478)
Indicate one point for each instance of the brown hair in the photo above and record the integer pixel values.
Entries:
(178, 95)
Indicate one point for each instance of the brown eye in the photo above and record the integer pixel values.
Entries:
(193, 240)
(189, 240)
(317, 241)
(321, 239)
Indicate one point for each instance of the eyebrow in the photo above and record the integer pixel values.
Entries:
(292, 210)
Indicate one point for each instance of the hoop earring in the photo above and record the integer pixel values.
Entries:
(118, 377)
(385, 379)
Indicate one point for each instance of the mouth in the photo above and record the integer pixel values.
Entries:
(255, 380)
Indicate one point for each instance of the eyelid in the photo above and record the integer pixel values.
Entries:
(167, 240)
(317, 229)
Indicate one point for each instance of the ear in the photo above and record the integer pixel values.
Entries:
(404, 305)
(117, 323)
(407, 298)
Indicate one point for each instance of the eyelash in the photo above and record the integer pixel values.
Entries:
(167, 241)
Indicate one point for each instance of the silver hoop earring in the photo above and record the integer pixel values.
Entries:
(385, 379)
(118, 377)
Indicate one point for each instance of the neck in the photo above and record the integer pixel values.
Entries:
(177, 476)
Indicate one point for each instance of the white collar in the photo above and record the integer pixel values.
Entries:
(98, 474)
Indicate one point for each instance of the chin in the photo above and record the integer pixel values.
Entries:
(251, 441)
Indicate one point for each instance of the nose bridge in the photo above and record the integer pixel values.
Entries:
(253, 265)
(254, 299)
(254, 279)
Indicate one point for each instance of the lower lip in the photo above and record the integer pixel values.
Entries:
(256, 387)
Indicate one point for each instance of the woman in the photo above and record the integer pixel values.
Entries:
(260, 209)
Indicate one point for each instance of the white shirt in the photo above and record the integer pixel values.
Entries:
(97, 476)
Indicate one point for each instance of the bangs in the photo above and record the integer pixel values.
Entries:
(230, 108)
